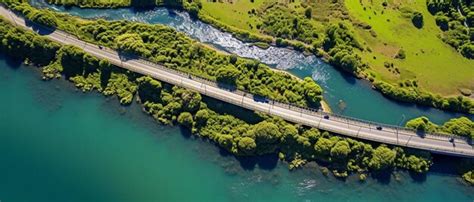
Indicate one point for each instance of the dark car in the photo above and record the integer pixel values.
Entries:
(100, 47)
(379, 127)
(259, 98)
(451, 140)
(326, 116)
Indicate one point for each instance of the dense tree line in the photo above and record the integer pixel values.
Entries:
(173, 105)
(415, 95)
(165, 45)
(458, 126)
(456, 19)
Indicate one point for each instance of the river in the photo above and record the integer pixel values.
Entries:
(59, 144)
(345, 94)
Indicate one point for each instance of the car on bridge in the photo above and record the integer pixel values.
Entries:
(259, 98)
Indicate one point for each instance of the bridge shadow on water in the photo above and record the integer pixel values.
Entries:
(40, 29)
(13, 61)
(221, 107)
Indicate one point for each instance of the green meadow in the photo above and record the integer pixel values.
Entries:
(433, 64)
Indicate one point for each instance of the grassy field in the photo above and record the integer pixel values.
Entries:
(435, 66)
(234, 14)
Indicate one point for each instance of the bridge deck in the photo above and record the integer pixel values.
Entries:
(310, 117)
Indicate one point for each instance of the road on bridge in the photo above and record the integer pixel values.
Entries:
(333, 123)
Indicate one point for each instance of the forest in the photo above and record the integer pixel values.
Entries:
(168, 104)
(456, 19)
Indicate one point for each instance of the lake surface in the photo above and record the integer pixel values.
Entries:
(59, 144)
(345, 95)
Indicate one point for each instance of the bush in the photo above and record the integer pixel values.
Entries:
(417, 20)
(401, 54)
(382, 158)
(467, 50)
(186, 119)
(469, 177)
(227, 75)
(421, 124)
(247, 145)
(308, 12)
(341, 150)
(442, 21)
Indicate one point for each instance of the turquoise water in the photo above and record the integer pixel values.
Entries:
(358, 99)
(58, 144)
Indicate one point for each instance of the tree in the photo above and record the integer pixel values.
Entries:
(341, 150)
(417, 164)
(266, 136)
(442, 21)
(417, 19)
(191, 100)
(233, 59)
(225, 141)
(193, 10)
(308, 12)
(227, 75)
(323, 147)
(201, 117)
(421, 124)
(469, 177)
(44, 18)
(401, 54)
(185, 119)
(312, 91)
(467, 50)
(382, 158)
(131, 43)
(149, 89)
(461, 126)
(247, 145)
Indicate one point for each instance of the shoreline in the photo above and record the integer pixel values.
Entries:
(325, 106)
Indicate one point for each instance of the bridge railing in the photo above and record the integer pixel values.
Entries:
(302, 109)
(305, 110)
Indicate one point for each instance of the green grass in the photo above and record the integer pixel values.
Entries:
(234, 14)
(436, 65)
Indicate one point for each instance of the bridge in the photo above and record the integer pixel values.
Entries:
(347, 126)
